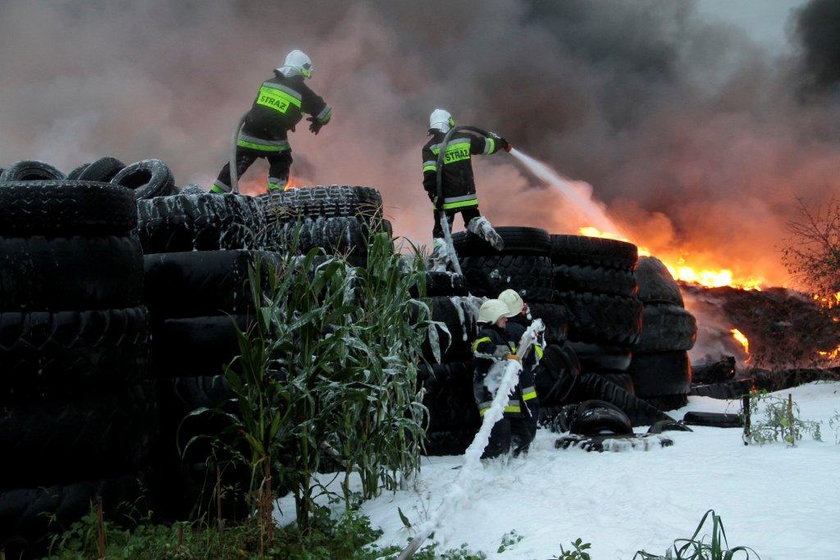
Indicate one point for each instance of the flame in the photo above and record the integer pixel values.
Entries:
(831, 355)
(742, 340)
(682, 271)
(293, 183)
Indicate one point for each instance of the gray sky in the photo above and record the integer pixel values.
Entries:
(763, 20)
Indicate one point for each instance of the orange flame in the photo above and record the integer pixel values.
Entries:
(831, 355)
(742, 340)
(684, 272)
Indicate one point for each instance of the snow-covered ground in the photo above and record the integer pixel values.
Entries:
(783, 502)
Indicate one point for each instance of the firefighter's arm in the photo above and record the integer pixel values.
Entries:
(488, 145)
(430, 173)
(320, 113)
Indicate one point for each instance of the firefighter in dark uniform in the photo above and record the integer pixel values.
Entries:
(457, 181)
(518, 321)
(493, 346)
(278, 107)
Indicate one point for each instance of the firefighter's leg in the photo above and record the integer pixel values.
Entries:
(244, 159)
(481, 226)
(521, 437)
(500, 438)
(278, 171)
(440, 252)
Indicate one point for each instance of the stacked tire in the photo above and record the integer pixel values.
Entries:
(77, 411)
(335, 218)
(594, 282)
(199, 248)
(448, 374)
(660, 369)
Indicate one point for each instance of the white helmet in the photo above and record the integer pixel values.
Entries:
(514, 302)
(441, 119)
(297, 62)
(491, 311)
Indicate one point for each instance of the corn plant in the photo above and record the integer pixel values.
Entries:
(696, 548)
(328, 369)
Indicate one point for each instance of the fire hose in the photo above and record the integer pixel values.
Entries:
(444, 222)
(234, 175)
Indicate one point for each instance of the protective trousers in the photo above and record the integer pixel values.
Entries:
(278, 172)
(468, 213)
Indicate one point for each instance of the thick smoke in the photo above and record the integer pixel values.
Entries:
(696, 139)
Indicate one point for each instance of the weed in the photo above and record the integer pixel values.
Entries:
(579, 552)
(509, 540)
(696, 548)
(774, 418)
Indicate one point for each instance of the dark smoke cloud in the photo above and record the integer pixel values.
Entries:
(693, 137)
(818, 32)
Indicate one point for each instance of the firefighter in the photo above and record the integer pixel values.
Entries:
(457, 181)
(493, 346)
(519, 318)
(278, 107)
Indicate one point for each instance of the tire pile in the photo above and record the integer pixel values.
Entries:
(77, 410)
(660, 369)
(198, 248)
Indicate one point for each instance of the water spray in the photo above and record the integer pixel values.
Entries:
(569, 190)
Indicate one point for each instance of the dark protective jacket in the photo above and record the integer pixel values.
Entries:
(516, 327)
(457, 181)
(491, 346)
(278, 107)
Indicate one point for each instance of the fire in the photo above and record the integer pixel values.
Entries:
(684, 272)
(742, 340)
(293, 183)
(831, 355)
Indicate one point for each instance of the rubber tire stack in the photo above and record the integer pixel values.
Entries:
(660, 368)
(335, 218)
(77, 412)
(448, 374)
(594, 282)
(198, 249)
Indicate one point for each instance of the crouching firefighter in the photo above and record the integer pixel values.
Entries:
(519, 318)
(457, 180)
(280, 103)
(492, 347)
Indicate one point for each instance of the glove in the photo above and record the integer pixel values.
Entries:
(514, 357)
(315, 127)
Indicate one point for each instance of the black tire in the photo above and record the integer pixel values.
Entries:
(65, 208)
(338, 235)
(58, 442)
(199, 222)
(661, 374)
(602, 318)
(602, 358)
(558, 375)
(440, 283)
(666, 327)
(74, 174)
(622, 380)
(452, 441)
(45, 355)
(30, 516)
(148, 178)
(195, 346)
(730, 390)
(104, 169)
(656, 285)
(593, 251)
(595, 279)
(641, 412)
(457, 330)
(31, 170)
(329, 202)
(529, 275)
(556, 320)
(713, 419)
(518, 241)
(70, 272)
(201, 283)
(449, 397)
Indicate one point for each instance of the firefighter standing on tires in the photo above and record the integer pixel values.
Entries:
(492, 347)
(457, 181)
(278, 107)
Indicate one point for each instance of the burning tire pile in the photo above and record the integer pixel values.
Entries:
(119, 300)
